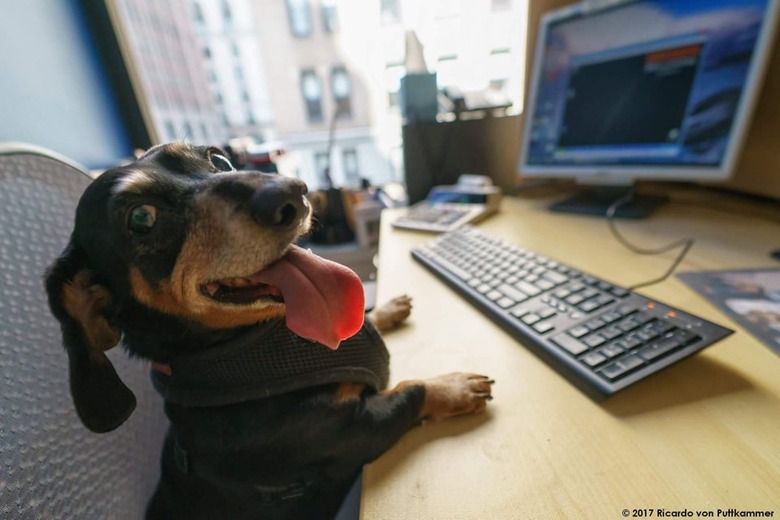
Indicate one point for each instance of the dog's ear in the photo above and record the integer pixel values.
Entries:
(102, 400)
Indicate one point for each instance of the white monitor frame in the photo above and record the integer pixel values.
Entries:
(623, 174)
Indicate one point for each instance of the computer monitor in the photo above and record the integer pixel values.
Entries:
(646, 89)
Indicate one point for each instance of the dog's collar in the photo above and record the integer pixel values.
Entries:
(268, 360)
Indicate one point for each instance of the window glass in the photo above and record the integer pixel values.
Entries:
(300, 17)
(312, 95)
(330, 17)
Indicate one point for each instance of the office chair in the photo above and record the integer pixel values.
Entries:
(51, 466)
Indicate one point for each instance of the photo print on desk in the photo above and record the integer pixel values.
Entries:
(751, 297)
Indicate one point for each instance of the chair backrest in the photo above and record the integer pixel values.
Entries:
(51, 466)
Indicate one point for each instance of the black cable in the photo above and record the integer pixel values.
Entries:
(685, 243)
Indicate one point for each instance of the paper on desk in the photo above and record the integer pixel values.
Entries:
(750, 297)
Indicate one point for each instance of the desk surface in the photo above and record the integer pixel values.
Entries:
(701, 435)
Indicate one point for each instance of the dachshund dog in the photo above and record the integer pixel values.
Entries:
(274, 383)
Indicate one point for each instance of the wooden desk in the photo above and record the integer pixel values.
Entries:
(702, 435)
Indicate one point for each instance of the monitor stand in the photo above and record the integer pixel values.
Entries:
(594, 200)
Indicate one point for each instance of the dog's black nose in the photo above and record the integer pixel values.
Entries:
(279, 202)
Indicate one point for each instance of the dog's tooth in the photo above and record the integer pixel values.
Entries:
(242, 282)
(212, 288)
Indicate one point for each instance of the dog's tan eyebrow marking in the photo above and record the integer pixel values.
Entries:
(135, 181)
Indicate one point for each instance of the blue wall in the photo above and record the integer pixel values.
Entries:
(52, 89)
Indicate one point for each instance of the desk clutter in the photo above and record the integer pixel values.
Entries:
(598, 335)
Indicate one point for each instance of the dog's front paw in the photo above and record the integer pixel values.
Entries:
(456, 394)
(388, 316)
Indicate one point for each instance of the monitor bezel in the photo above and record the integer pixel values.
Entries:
(624, 174)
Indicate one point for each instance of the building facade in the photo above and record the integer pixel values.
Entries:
(163, 55)
(320, 76)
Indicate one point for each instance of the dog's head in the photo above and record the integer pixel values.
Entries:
(176, 242)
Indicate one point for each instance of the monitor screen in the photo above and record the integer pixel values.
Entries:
(645, 89)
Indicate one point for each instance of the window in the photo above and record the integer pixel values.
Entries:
(499, 85)
(391, 11)
(227, 14)
(196, 11)
(500, 65)
(341, 86)
(351, 169)
(312, 95)
(300, 17)
(320, 165)
(447, 71)
(330, 18)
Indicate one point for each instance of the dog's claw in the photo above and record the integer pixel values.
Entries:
(456, 394)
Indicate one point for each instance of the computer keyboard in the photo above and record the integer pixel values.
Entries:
(600, 336)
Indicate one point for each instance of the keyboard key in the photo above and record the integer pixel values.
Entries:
(579, 331)
(519, 311)
(513, 293)
(589, 306)
(660, 348)
(544, 285)
(531, 318)
(611, 332)
(622, 367)
(611, 350)
(527, 288)
(505, 302)
(454, 269)
(687, 337)
(555, 277)
(595, 323)
(628, 324)
(593, 359)
(570, 344)
(594, 340)
(632, 341)
(611, 316)
(543, 326)
(494, 295)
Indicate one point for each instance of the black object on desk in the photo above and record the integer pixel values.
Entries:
(598, 335)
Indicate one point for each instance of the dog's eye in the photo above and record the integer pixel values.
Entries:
(141, 219)
(221, 163)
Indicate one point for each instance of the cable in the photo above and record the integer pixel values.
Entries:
(685, 243)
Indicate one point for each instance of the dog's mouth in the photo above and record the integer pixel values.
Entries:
(241, 291)
(323, 300)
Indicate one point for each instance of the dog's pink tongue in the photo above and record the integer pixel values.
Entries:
(324, 300)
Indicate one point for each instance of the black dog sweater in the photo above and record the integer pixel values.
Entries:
(268, 360)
